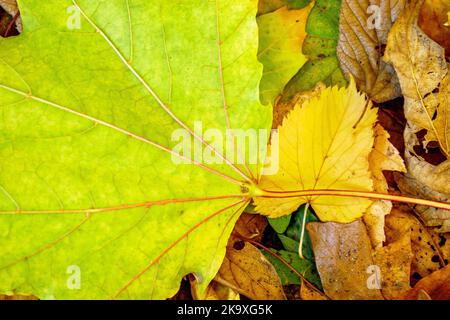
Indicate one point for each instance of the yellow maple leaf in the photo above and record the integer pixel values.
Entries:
(324, 144)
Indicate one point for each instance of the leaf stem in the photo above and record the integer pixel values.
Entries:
(349, 193)
(302, 235)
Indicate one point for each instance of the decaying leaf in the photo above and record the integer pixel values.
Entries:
(432, 20)
(421, 66)
(423, 73)
(384, 156)
(416, 184)
(344, 258)
(324, 144)
(364, 26)
(395, 258)
(250, 226)
(426, 249)
(436, 285)
(281, 35)
(246, 270)
(308, 293)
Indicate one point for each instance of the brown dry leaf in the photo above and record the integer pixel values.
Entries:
(215, 291)
(395, 260)
(384, 156)
(419, 61)
(10, 6)
(426, 250)
(436, 285)
(364, 26)
(343, 255)
(432, 19)
(247, 271)
(307, 293)
(412, 184)
(421, 67)
(250, 226)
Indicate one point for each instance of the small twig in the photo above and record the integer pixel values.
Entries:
(302, 235)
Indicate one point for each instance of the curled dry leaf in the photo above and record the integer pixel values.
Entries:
(343, 255)
(324, 144)
(384, 156)
(246, 270)
(363, 30)
(436, 286)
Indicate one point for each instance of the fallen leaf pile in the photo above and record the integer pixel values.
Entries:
(99, 198)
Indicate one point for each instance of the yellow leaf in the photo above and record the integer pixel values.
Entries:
(324, 144)
(281, 36)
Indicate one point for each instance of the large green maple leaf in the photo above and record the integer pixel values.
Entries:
(88, 186)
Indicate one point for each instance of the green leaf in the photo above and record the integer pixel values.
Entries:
(281, 35)
(302, 266)
(280, 224)
(320, 48)
(295, 229)
(266, 6)
(88, 189)
(288, 243)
